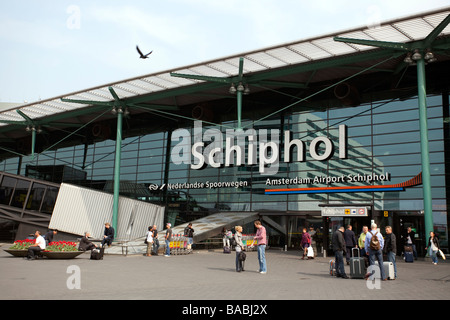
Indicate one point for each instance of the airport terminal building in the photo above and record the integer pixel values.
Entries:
(345, 128)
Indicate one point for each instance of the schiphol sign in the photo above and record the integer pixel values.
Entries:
(344, 212)
(202, 149)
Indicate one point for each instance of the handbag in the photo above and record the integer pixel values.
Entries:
(310, 252)
(442, 254)
(242, 256)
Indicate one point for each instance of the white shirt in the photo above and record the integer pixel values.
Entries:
(40, 241)
(149, 236)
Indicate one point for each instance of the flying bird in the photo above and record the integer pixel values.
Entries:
(142, 56)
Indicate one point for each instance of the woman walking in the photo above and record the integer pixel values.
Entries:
(305, 243)
(433, 247)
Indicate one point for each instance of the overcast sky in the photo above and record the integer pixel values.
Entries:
(51, 48)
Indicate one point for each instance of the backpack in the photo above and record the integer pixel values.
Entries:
(374, 242)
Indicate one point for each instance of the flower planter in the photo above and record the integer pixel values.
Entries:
(61, 254)
(17, 253)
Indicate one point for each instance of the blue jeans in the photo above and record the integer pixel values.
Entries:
(339, 258)
(433, 255)
(167, 247)
(391, 258)
(377, 254)
(262, 257)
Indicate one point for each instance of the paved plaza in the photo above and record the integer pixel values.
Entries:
(209, 275)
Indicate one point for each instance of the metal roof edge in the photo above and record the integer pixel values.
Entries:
(237, 55)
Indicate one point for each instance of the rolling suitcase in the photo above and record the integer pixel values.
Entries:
(332, 267)
(357, 265)
(388, 269)
(97, 253)
(409, 257)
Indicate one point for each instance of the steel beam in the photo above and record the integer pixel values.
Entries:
(424, 149)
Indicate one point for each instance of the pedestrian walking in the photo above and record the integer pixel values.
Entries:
(239, 249)
(149, 241)
(260, 237)
(189, 234)
(409, 240)
(305, 243)
(433, 247)
(167, 239)
(350, 242)
(339, 248)
(374, 249)
(390, 248)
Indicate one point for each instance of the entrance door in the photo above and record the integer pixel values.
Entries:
(403, 220)
(295, 225)
(332, 223)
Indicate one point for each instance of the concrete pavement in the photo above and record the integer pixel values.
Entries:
(209, 275)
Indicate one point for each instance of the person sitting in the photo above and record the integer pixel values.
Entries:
(37, 247)
(49, 236)
(85, 243)
(108, 235)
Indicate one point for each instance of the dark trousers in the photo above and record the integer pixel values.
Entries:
(107, 240)
(239, 264)
(32, 251)
(349, 253)
(155, 246)
(339, 257)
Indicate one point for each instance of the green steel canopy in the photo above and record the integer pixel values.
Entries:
(291, 70)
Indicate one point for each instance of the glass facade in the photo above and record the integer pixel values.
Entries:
(382, 137)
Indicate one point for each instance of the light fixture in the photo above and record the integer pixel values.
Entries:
(232, 89)
(241, 88)
(28, 128)
(429, 56)
(416, 56)
(114, 111)
(246, 90)
(411, 58)
(408, 58)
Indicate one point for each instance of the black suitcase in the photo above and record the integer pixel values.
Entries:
(357, 265)
(97, 253)
(409, 256)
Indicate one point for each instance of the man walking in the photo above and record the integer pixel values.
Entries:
(390, 248)
(261, 246)
(374, 248)
(338, 244)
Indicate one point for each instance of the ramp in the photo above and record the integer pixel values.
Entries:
(79, 209)
(204, 228)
